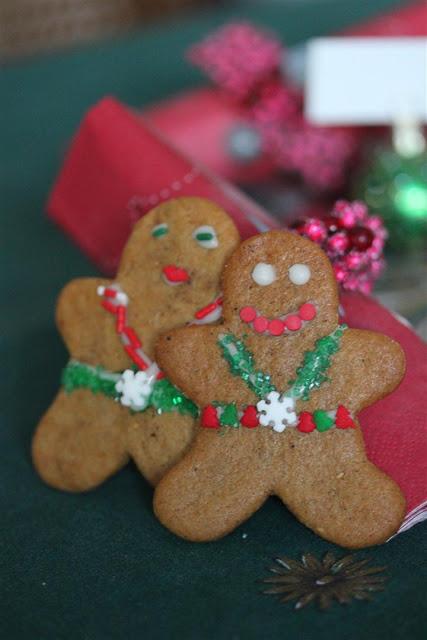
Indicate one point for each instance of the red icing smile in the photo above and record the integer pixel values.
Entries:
(175, 275)
(278, 326)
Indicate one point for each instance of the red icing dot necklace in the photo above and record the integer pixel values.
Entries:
(280, 325)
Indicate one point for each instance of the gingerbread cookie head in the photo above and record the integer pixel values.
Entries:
(176, 254)
(169, 272)
(280, 285)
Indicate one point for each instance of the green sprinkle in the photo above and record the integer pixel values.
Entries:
(77, 375)
(229, 417)
(167, 398)
(323, 420)
(241, 364)
(203, 237)
(160, 230)
(312, 373)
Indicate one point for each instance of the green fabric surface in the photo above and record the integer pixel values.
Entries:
(99, 565)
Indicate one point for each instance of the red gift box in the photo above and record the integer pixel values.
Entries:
(117, 169)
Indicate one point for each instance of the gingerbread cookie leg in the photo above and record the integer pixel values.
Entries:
(156, 442)
(79, 442)
(213, 489)
(332, 488)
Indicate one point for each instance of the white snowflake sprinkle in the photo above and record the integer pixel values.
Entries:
(135, 388)
(277, 411)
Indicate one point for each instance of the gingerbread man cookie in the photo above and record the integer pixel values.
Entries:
(280, 384)
(115, 403)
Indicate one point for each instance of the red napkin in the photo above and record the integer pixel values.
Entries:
(117, 169)
(395, 428)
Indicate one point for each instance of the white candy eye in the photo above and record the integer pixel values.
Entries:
(160, 230)
(264, 274)
(206, 237)
(299, 273)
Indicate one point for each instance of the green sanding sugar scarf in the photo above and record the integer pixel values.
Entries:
(310, 375)
(165, 397)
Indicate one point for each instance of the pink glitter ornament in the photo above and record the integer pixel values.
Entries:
(353, 240)
(315, 230)
(237, 57)
(245, 62)
(338, 243)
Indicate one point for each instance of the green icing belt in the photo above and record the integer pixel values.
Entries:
(164, 398)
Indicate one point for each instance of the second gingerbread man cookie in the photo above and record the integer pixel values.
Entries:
(280, 384)
(114, 402)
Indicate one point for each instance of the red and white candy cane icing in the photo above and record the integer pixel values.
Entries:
(211, 313)
(281, 325)
(115, 301)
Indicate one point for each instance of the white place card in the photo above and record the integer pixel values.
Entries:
(366, 80)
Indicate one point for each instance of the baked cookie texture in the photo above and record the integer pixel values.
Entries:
(322, 476)
(84, 437)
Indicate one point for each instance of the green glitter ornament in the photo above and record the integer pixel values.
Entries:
(395, 187)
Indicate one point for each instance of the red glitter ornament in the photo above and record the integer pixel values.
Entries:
(361, 238)
(353, 240)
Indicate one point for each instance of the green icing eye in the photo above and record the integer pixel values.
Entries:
(206, 237)
(160, 230)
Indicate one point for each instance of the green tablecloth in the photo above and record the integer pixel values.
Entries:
(99, 566)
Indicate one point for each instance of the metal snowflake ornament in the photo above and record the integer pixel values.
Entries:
(323, 581)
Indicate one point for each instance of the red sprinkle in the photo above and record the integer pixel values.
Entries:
(247, 314)
(306, 423)
(260, 324)
(160, 375)
(249, 418)
(121, 318)
(202, 313)
(109, 293)
(209, 417)
(307, 311)
(110, 307)
(343, 419)
(133, 338)
(135, 357)
(276, 327)
(293, 323)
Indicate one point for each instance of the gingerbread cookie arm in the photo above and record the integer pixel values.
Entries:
(81, 319)
(368, 366)
(191, 358)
